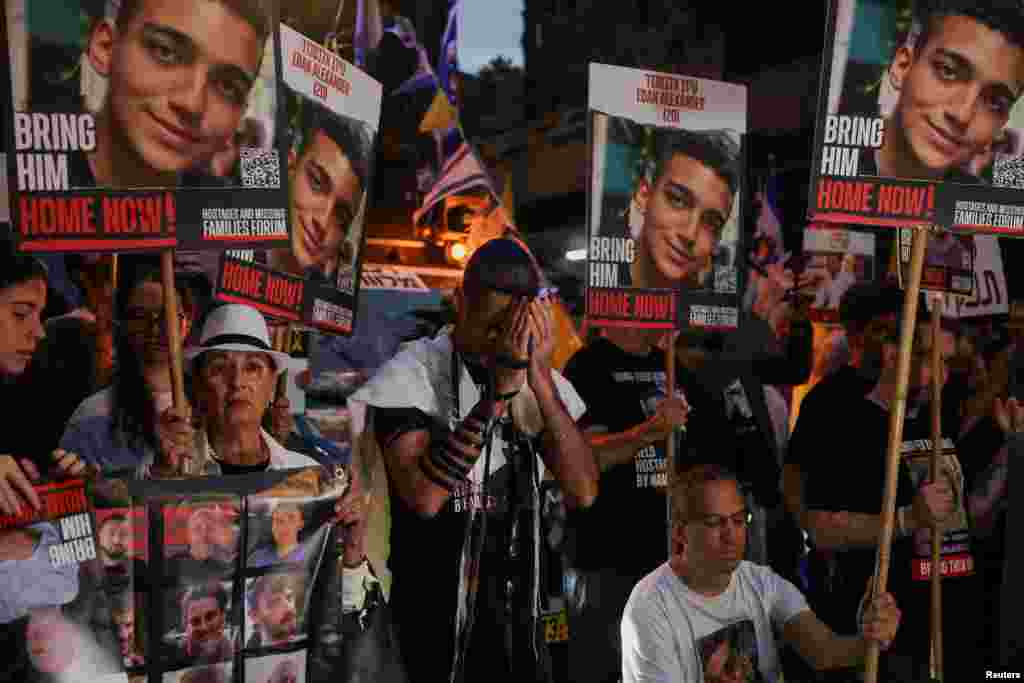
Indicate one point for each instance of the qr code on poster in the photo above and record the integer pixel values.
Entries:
(1008, 172)
(725, 280)
(260, 168)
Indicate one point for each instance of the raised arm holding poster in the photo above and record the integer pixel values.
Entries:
(144, 124)
(664, 216)
(919, 121)
(334, 113)
(838, 259)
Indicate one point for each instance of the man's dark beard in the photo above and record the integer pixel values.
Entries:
(116, 554)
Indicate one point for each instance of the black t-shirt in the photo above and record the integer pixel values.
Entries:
(622, 390)
(846, 472)
(823, 406)
(426, 553)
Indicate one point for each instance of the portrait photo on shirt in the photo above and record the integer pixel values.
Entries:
(729, 655)
(285, 531)
(212, 673)
(115, 72)
(199, 626)
(275, 609)
(201, 538)
(282, 668)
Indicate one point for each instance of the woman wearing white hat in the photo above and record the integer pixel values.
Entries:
(234, 374)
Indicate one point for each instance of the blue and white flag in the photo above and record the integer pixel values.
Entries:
(448, 61)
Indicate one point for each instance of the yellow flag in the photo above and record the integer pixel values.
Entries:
(441, 115)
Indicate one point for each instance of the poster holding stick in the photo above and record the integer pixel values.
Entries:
(897, 413)
(670, 442)
(933, 476)
(171, 318)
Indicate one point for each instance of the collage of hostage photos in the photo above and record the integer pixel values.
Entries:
(189, 586)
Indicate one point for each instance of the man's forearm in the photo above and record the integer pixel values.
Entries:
(620, 448)
(843, 652)
(842, 530)
(565, 450)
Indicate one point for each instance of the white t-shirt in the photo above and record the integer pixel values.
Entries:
(670, 633)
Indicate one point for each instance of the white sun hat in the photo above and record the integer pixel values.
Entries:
(236, 327)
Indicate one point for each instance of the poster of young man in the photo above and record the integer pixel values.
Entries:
(334, 113)
(948, 262)
(838, 258)
(143, 124)
(918, 118)
(663, 225)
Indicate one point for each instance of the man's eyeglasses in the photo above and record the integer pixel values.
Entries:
(740, 519)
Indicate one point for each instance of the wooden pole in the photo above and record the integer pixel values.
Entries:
(896, 414)
(670, 446)
(933, 474)
(173, 335)
(282, 341)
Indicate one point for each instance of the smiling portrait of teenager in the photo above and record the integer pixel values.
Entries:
(955, 84)
(179, 73)
(328, 174)
(685, 203)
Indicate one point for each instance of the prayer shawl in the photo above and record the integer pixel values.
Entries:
(421, 377)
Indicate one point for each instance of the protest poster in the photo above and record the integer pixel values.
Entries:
(334, 113)
(56, 612)
(891, 149)
(989, 295)
(145, 125)
(219, 578)
(837, 259)
(664, 217)
(948, 262)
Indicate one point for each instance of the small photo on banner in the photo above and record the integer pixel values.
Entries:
(664, 217)
(989, 295)
(919, 120)
(948, 262)
(145, 125)
(837, 259)
(333, 117)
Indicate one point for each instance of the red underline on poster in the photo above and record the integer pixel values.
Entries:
(97, 245)
(870, 220)
(331, 327)
(245, 238)
(1008, 232)
(630, 323)
(265, 308)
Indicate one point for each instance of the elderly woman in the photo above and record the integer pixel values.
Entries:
(234, 375)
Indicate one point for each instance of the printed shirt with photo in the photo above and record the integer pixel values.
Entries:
(669, 631)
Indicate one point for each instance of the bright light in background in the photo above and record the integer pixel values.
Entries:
(576, 255)
(490, 29)
(456, 252)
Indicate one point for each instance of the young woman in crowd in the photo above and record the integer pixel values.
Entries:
(115, 429)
